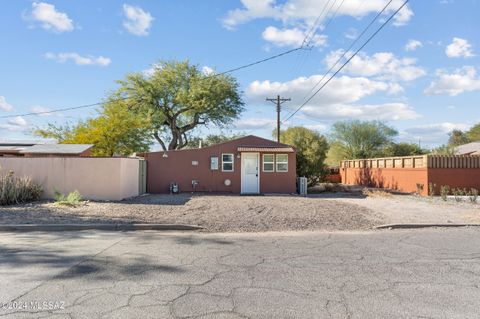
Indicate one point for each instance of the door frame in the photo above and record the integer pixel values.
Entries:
(258, 172)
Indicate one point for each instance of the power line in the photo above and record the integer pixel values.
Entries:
(125, 98)
(346, 62)
(347, 50)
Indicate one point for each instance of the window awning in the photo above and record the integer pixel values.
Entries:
(265, 149)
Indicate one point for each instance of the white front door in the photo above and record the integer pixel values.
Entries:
(250, 173)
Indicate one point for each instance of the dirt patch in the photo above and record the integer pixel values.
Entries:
(406, 209)
(215, 213)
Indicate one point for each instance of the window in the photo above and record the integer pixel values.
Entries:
(282, 163)
(268, 162)
(227, 162)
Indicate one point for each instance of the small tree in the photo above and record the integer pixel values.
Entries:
(361, 139)
(403, 149)
(115, 131)
(311, 152)
(458, 137)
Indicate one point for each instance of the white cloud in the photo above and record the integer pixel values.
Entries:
(138, 21)
(49, 18)
(383, 112)
(4, 105)
(338, 100)
(15, 124)
(206, 70)
(461, 80)
(40, 109)
(254, 123)
(291, 37)
(78, 59)
(412, 45)
(435, 133)
(305, 12)
(459, 48)
(316, 127)
(351, 33)
(382, 65)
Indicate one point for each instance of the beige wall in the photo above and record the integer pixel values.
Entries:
(94, 178)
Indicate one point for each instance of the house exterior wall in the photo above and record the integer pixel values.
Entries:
(94, 178)
(178, 168)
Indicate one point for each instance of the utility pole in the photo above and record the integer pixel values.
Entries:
(279, 101)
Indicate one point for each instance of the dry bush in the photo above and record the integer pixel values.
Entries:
(375, 193)
(16, 190)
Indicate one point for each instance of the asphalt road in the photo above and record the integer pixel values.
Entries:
(433, 273)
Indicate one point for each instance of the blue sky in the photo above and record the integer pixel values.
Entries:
(421, 74)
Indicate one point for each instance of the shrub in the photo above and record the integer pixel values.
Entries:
(473, 195)
(431, 189)
(72, 199)
(16, 190)
(444, 191)
(458, 193)
(419, 188)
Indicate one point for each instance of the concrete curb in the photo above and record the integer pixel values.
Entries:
(107, 227)
(406, 226)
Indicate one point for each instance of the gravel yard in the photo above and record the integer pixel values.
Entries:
(215, 213)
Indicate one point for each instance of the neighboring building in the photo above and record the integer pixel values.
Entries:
(248, 165)
(468, 149)
(31, 149)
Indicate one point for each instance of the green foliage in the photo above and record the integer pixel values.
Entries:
(444, 191)
(403, 149)
(457, 138)
(474, 133)
(72, 199)
(361, 139)
(458, 193)
(443, 150)
(311, 152)
(16, 190)
(431, 189)
(212, 139)
(178, 97)
(116, 131)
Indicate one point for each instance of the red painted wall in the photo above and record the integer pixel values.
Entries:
(401, 179)
(177, 167)
(454, 177)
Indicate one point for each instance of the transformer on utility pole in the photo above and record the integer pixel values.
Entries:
(278, 101)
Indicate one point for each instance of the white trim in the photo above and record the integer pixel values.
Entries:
(233, 162)
(276, 164)
(258, 173)
(263, 163)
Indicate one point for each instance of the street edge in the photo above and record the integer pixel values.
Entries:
(406, 226)
(107, 227)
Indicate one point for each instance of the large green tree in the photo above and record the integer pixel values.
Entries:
(115, 131)
(361, 139)
(311, 152)
(403, 149)
(212, 139)
(178, 97)
(474, 133)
